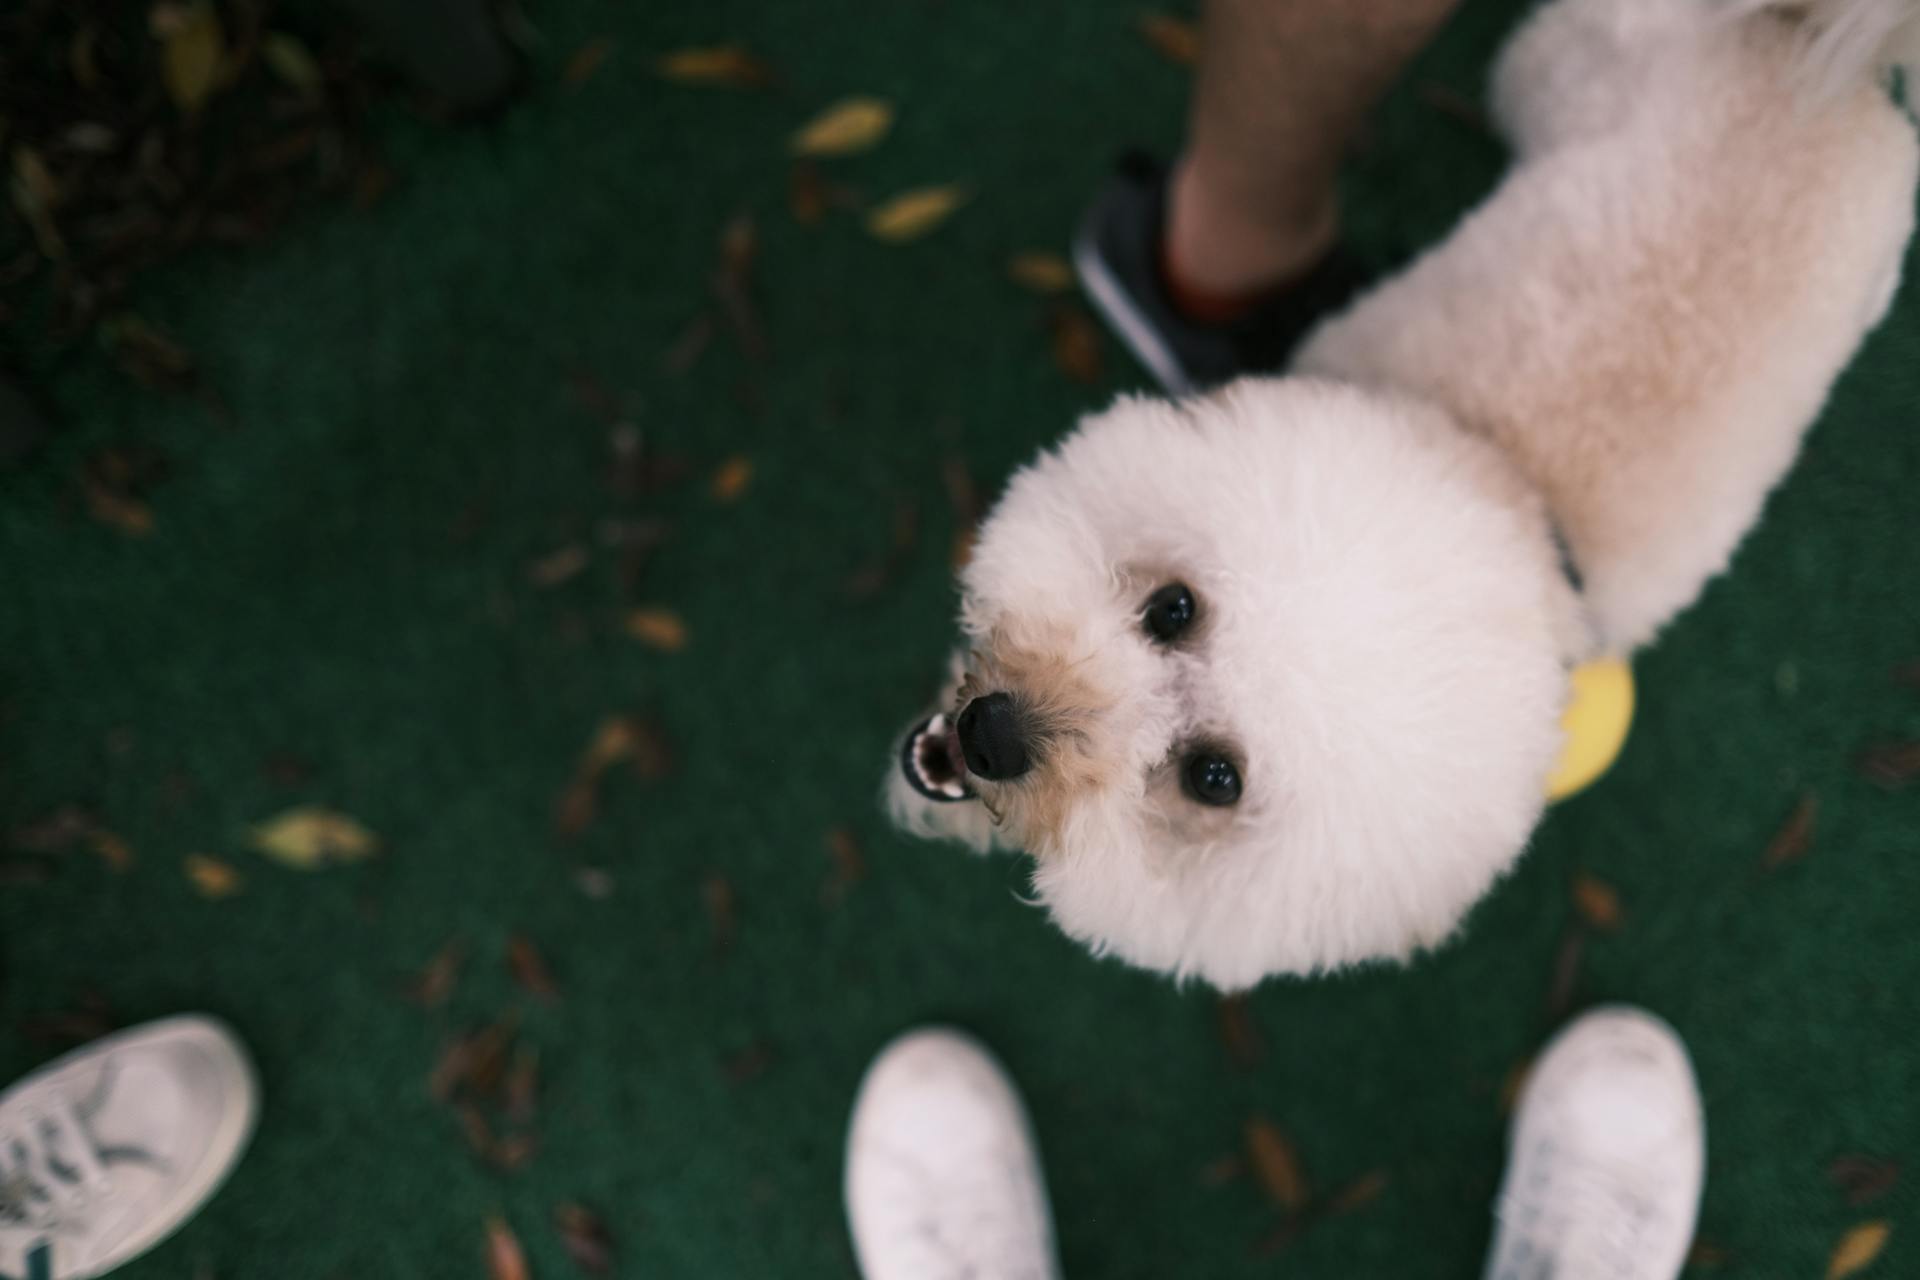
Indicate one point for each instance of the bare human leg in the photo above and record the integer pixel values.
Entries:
(1282, 87)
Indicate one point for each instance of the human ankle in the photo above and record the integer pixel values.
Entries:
(1217, 261)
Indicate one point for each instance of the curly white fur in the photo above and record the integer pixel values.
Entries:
(1625, 343)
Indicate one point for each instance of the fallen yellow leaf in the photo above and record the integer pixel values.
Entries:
(848, 126)
(1858, 1248)
(293, 64)
(732, 478)
(193, 49)
(1040, 272)
(661, 628)
(309, 837)
(211, 877)
(727, 65)
(912, 214)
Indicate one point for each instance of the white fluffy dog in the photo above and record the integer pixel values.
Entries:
(1269, 681)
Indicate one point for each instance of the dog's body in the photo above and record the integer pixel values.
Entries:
(1648, 314)
(1614, 357)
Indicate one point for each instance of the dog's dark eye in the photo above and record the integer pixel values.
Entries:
(1169, 611)
(1212, 779)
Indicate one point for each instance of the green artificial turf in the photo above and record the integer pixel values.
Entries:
(341, 575)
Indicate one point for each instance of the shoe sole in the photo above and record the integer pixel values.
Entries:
(1126, 319)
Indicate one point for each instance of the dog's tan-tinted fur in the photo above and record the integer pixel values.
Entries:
(1063, 712)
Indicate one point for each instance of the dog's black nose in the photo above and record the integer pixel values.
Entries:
(992, 738)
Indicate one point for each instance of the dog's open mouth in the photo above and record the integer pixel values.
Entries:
(931, 761)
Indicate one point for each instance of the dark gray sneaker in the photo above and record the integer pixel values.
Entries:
(1117, 255)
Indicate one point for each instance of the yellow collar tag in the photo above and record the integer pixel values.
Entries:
(1599, 711)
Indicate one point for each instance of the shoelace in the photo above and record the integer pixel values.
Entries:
(51, 1173)
(1576, 1220)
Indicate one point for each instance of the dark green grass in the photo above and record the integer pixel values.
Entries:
(341, 575)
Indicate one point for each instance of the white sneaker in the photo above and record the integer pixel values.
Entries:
(943, 1178)
(105, 1152)
(1608, 1152)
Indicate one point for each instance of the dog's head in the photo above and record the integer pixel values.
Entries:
(1266, 682)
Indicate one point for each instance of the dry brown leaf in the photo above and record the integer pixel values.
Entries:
(1863, 1179)
(806, 194)
(436, 981)
(619, 737)
(1858, 1248)
(1245, 1049)
(717, 892)
(523, 1084)
(849, 865)
(1596, 901)
(192, 51)
(309, 837)
(731, 479)
(586, 60)
(512, 1152)
(473, 1065)
(611, 743)
(1890, 765)
(210, 877)
(1040, 272)
(659, 628)
(585, 1238)
(557, 567)
(1076, 342)
(1276, 1164)
(728, 66)
(112, 502)
(577, 807)
(57, 832)
(1359, 1193)
(849, 126)
(1795, 836)
(810, 195)
(115, 852)
(529, 968)
(506, 1260)
(1566, 972)
(1177, 39)
(915, 213)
